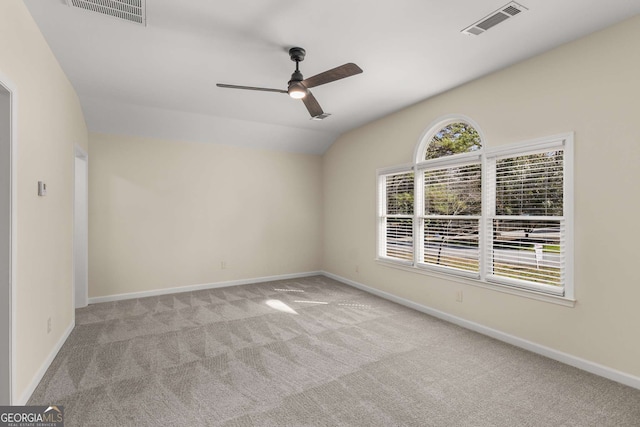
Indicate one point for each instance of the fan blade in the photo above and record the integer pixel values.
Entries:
(263, 89)
(312, 105)
(341, 72)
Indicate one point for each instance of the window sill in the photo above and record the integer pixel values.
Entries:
(539, 296)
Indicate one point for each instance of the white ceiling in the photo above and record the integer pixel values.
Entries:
(159, 80)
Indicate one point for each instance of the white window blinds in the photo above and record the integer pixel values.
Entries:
(527, 244)
(397, 216)
(451, 218)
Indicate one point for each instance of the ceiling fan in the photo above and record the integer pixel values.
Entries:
(298, 86)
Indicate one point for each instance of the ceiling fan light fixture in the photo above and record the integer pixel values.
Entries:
(297, 91)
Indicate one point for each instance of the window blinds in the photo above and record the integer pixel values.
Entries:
(451, 219)
(398, 215)
(528, 228)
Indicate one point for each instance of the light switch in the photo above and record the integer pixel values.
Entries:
(42, 188)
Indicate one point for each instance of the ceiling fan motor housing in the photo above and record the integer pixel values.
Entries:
(296, 77)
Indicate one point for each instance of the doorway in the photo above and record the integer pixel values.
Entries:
(7, 244)
(81, 229)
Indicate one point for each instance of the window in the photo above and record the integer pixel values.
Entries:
(450, 221)
(526, 218)
(452, 138)
(500, 216)
(396, 216)
(451, 199)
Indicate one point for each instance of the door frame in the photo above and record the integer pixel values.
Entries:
(80, 154)
(8, 85)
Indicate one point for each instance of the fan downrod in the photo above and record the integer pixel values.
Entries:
(297, 54)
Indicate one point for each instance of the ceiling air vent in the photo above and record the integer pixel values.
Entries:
(507, 11)
(129, 10)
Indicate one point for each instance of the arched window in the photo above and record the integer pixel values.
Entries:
(449, 136)
(449, 178)
(498, 215)
(453, 138)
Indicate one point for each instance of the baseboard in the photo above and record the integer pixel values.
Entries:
(191, 288)
(568, 359)
(26, 395)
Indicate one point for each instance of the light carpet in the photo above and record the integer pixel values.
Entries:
(309, 352)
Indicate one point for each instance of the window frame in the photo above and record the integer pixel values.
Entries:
(381, 241)
(562, 142)
(486, 155)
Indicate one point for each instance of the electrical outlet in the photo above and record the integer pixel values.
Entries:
(459, 296)
(49, 325)
(223, 265)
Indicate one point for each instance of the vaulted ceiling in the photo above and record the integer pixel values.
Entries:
(159, 79)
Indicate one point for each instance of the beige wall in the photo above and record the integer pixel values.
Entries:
(164, 214)
(590, 86)
(50, 122)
